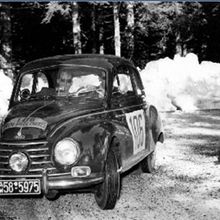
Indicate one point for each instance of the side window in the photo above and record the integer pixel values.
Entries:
(34, 82)
(122, 82)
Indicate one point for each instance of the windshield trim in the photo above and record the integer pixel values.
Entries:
(62, 65)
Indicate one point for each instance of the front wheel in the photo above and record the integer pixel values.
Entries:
(107, 193)
(148, 164)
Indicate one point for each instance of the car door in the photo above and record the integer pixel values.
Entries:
(141, 96)
(130, 115)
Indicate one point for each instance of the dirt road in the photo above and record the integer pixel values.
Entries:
(185, 186)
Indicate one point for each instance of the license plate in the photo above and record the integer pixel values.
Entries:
(17, 187)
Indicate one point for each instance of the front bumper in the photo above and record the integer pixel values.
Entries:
(59, 182)
(68, 182)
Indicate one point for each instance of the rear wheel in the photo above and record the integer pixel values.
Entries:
(148, 164)
(107, 193)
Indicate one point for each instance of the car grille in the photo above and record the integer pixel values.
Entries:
(38, 153)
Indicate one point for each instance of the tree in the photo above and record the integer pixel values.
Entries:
(5, 40)
(68, 10)
(187, 27)
(105, 30)
(211, 32)
(140, 31)
(130, 29)
(117, 37)
(93, 27)
(76, 28)
(151, 31)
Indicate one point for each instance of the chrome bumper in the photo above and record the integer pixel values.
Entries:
(59, 181)
(67, 182)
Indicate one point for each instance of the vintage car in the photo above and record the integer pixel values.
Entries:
(76, 122)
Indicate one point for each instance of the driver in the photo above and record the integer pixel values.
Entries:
(64, 82)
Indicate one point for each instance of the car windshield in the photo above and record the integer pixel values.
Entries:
(62, 81)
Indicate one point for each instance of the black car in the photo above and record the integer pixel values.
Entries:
(76, 122)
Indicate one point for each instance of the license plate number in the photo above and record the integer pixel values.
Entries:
(17, 187)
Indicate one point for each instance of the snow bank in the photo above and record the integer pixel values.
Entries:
(182, 83)
(6, 86)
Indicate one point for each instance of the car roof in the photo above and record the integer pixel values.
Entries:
(95, 60)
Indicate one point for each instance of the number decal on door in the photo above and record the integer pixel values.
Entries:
(136, 124)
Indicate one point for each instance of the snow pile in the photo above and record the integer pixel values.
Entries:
(182, 83)
(6, 87)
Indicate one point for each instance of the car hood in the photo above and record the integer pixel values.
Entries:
(34, 119)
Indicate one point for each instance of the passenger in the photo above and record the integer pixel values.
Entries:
(92, 85)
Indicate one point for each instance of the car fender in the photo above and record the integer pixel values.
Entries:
(95, 136)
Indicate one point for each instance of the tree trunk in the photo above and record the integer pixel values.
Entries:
(5, 40)
(129, 30)
(101, 40)
(94, 41)
(180, 46)
(117, 30)
(76, 28)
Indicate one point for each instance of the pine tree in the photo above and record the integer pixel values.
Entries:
(68, 10)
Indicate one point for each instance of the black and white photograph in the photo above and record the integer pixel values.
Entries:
(109, 110)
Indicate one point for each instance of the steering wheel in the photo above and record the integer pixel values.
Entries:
(92, 89)
(80, 90)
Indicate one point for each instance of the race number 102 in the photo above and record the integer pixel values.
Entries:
(136, 124)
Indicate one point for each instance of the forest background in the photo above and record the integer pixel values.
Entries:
(175, 45)
(139, 31)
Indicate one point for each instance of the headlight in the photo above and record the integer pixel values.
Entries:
(66, 151)
(18, 162)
